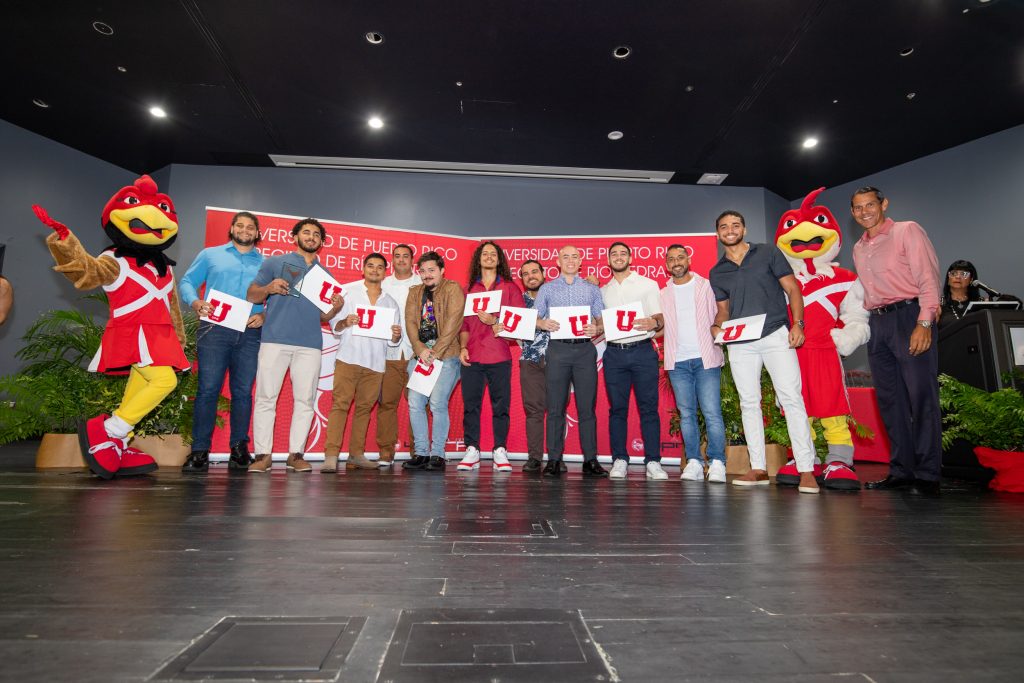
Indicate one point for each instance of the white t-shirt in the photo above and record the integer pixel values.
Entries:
(399, 291)
(687, 346)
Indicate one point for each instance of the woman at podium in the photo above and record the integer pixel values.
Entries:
(957, 293)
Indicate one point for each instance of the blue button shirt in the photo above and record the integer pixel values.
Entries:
(558, 292)
(223, 268)
(535, 351)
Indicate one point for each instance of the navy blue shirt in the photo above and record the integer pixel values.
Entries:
(291, 320)
(752, 287)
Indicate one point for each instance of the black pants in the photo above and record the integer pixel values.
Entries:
(497, 377)
(907, 389)
(635, 370)
(576, 364)
(533, 390)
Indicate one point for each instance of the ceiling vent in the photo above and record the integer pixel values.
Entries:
(559, 172)
(712, 178)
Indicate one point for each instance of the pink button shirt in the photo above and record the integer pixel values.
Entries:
(898, 263)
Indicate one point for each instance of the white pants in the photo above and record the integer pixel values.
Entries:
(304, 365)
(773, 353)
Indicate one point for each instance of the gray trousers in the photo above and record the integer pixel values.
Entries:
(576, 364)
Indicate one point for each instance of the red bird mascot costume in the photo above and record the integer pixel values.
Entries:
(144, 337)
(835, 323)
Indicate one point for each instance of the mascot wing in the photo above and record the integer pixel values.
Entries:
(855, 330)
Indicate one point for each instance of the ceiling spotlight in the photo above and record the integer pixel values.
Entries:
(615, 135)
(689, 88)
(375, 122)
(158, 112)
(810, 143)
(835, 101)
(622, 51)
(39, 103)
(103, 28)
(374, 38)
(458, 83)
(911, 95)
(122, 69)
(906, 52)
(966, 10)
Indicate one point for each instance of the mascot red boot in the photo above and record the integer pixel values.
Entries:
(835, 323)
(144, 337)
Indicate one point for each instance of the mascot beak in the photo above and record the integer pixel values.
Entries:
(807, 240)
(144, 224)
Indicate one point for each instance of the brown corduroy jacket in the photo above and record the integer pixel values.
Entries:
(449, 304)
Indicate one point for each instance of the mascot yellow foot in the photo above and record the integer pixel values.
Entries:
(144, 337)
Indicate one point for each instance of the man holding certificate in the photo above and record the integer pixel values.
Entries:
(223, 349)
(569, 308)
(752, 282)
(632, 314)
(292, 342)
(485, 357)
(367, 324)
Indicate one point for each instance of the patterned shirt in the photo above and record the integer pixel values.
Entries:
(558, 292)
(534, 351)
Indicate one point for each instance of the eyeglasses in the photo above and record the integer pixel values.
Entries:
(960, 273)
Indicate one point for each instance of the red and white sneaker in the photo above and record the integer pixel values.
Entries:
(500, 458)
(134, 462)
(788, 474)
(102, 453)
(471, 460)
(840, 477)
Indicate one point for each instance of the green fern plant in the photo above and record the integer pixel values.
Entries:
(991, 419)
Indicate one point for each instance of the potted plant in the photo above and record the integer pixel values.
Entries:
(992, 422)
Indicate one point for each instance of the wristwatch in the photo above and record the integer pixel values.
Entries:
(925, 323)
(800, 323)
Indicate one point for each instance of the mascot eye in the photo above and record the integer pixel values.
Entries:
(790, 223)
(821, 218)
(132, 200)
(164, 206)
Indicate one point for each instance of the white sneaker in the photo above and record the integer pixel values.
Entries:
(470, 461)
(694, 471)
(716, 472)
(654, 471)
(619, 469)
(500, 457)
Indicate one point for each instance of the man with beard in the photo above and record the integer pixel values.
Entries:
(532, 379)
(396, 374)
(751, 280)
(229, 268)
(900, 273)
(359, 365)
(433, 318)
(486, 359)
(694, 363)
(571, 362)
(631, 365)
(292, 342)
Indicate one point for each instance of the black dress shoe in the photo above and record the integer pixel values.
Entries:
(532, 465)
(240, 458)
(436, 464)
(890, 483)
(197, 461)
(592, 468)
(416, 462)
(554, 468)
(929, 489)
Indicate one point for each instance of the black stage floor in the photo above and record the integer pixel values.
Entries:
(479, 577)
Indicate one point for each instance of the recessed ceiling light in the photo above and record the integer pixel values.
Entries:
(458, 83)
(158, 112)
(103, 28)
(966, 10)
(375, 122)
(911, 95)
(622, 51)
(615, 135)
(712, 178)
(39, 103)
(122, 69)
(689, 88)
(374, 38)
(835, 101)
(906, 52)
(810, 143)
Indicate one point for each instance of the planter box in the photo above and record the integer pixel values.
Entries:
(62, 450)
(737, 461)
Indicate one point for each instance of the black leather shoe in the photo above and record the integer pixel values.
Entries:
(929, 489)
(554, 468)
(240, 458)
(532, 465)
(890, 483)
(435, 464)
(592, 468)
(416, 462)
(197, 461)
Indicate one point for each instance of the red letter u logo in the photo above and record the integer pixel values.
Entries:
(327, 291)
(425, 370)
(577, 323)
(511, 321)
(480, 304)
(215, 315)
(624, 320)
(733, 333)
(366, 317)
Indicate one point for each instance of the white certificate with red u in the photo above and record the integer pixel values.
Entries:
(571, 321)
(319, 286)
(741, 329)
(521, 323)
(227, 311)
(423, 377)
(374, 321)
(618, 322)
(482, 302)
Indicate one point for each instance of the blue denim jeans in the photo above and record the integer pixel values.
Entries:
(223, 351)
(693, 386)
(423, 443)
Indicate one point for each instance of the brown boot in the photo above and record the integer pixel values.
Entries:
(359, 461)
(261, 464)
(297, 464)
(330, 464)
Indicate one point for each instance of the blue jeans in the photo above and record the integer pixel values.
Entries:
(636, 369)
(693, 386)
(423, 444)
(223, 351)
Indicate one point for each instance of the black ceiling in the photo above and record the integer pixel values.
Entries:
(730, 86)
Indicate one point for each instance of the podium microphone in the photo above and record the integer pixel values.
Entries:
(981, 285)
